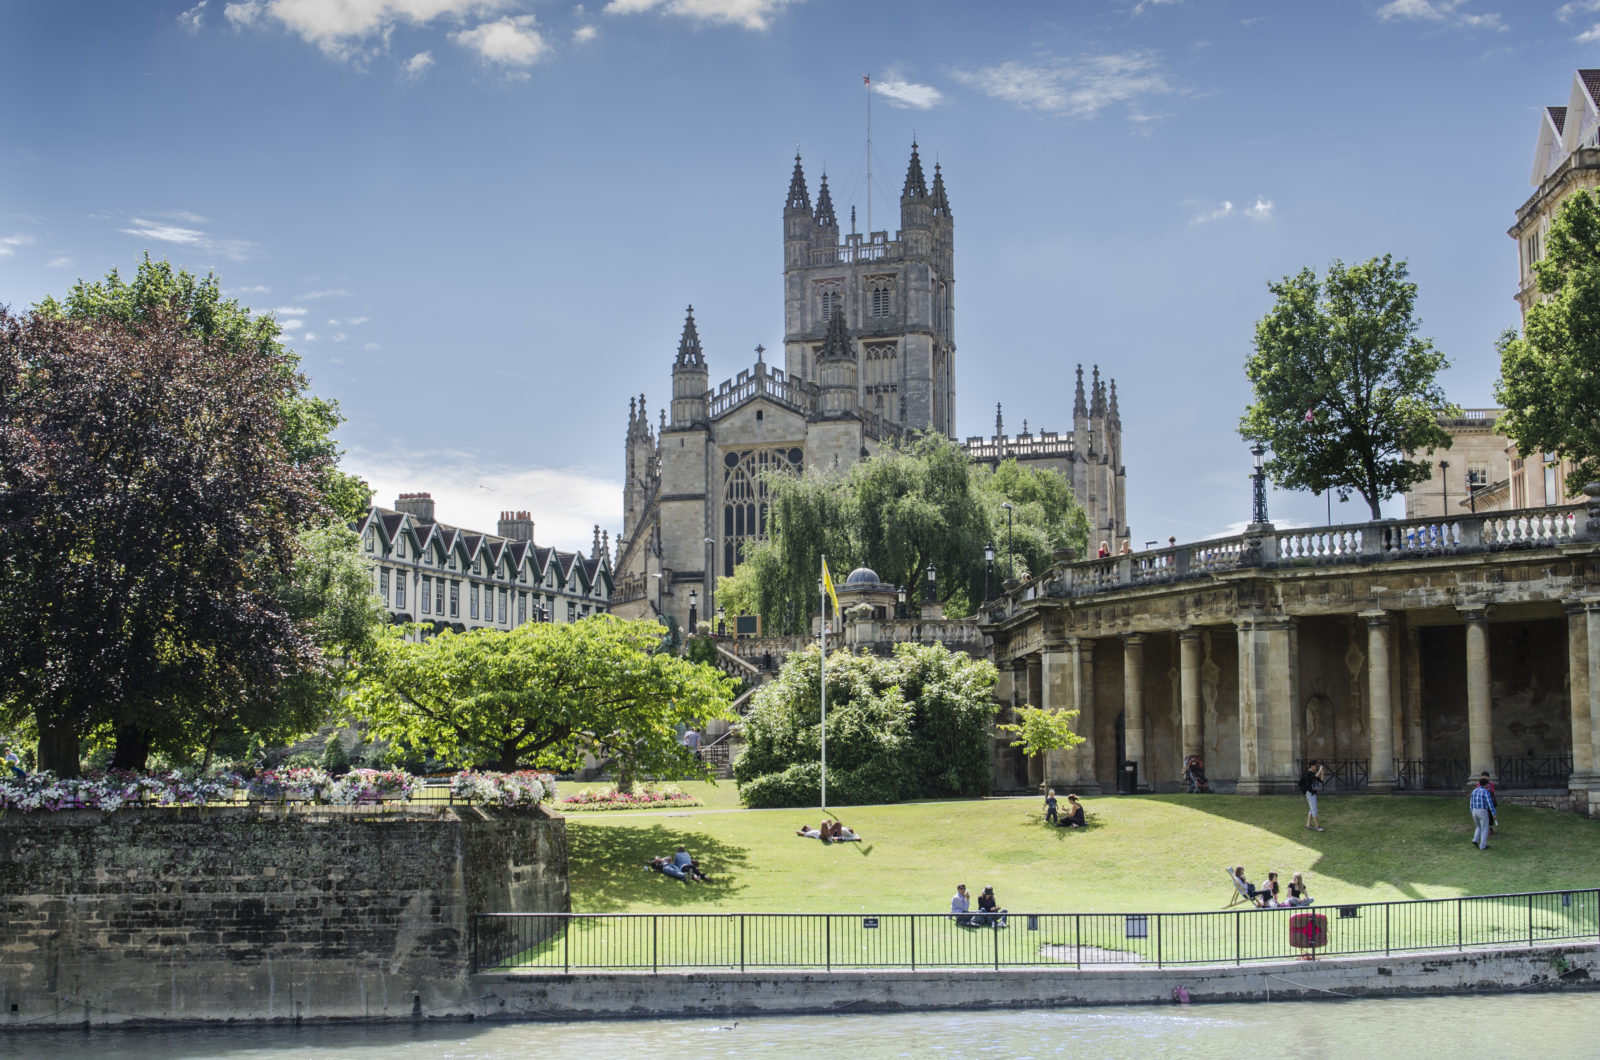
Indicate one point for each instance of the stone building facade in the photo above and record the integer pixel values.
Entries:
(427, 571)
(869, 356)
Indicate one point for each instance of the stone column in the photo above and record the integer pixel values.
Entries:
(1189, 651)
(1380, 718)
(1089, 719)
(1581, 696)
(1071, 769)
(1035, 682)
(1133, 700)
(1480, 724)
(1268, 698)
(1592, 622)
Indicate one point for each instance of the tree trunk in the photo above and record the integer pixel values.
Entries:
(133, 746)
(58, 748)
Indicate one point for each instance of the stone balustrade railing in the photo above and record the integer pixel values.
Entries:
(1267, 547)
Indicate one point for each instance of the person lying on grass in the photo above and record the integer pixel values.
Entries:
(808, 832)
(690, 867)
(665, 866)
(841, 834)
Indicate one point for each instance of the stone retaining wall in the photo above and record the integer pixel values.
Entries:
(259, 914)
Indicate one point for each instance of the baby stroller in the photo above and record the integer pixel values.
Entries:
(1194, 771)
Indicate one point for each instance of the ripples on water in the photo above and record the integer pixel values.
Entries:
(1563, 1025)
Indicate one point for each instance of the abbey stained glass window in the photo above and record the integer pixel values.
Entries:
(744, 495)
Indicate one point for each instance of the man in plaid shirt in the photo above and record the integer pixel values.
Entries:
(1480, 805)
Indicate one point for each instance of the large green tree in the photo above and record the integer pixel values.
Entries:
(898, 512)
(148, 513)
(1346, 393)
(1550, 376)
(915, 725)
(307, 421)
(543, 695)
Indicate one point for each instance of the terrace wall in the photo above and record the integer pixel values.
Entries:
(251, 914)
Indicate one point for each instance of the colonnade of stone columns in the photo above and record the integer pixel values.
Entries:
(1061, 676)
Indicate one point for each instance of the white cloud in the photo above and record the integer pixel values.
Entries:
(9, 244)
(192, 19)
(290, 311)
(370, 346)
(1144, 5)
(585, 34)
(416, 66)
(509, 41)
(252, 289)
(1444, 12)
(341, 28)
(1079, 87)
(1577, 7)
(62, 262)
(751, 14)
(357, 321)
(233, 249)
(339, 336)
(310, 336)
(242, 15)
(336, 292)
(470, 492)
(908, 94)
(1224, 210)
(291, 325)
(1261, 210)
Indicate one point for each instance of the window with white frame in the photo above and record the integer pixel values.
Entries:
(522, 608)
(427, 594)
(455, 599)
(502, 606)
(438, 596)
(383, 585)
(400, 590)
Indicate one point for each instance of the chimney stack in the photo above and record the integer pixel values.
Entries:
(516, 526)
(417, 505)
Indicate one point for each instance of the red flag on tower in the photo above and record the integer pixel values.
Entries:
(866, 79)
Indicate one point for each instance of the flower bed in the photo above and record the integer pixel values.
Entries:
(644, 798)
(112, 790)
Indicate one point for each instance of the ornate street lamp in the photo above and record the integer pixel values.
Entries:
(1444, 484)
(900, 602)
(933, 584)
(988, 571)
(1259, 505)
(694, 612)
(722, 622)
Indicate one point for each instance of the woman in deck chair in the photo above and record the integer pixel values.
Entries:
(1243, 889)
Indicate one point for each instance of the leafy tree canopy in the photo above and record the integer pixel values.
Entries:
(1345, 391)
(911, 726)
(1550, 376)
(1039, 731)
(148, 513)
(159, 288)
(897, 512)
(542, 695)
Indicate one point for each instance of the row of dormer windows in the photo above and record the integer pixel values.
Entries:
(478, 567)
(439, 597)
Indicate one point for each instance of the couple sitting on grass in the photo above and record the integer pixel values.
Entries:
(1073, 818)
(1269, 895)
(680, 866)
(989, 913)
(828, 832)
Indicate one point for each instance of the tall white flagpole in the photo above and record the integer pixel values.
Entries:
(822, 627)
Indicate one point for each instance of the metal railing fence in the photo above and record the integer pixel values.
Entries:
(657, 942)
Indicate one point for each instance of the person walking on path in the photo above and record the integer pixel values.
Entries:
(1480, 805)
(1494, 803)
(1311, 783)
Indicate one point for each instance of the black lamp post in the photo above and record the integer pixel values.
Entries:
(1258, 512)
(1444, 484)
(694, 611)
(988, 571)
(900, 602)
(722, 622)
(1011, 555)
(933, 583)
(711, 573)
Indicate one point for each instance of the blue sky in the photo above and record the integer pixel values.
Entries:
(481, 220)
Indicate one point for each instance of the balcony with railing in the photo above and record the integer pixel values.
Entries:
(762, 381)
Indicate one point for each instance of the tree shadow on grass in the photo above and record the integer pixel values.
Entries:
(609, 868)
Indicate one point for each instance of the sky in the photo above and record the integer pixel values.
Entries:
(480, 221)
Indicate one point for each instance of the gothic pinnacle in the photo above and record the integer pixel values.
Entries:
(799, 197)
(941, 204)
(999, 422)
(689, 354)
(1079, 406)
(836, 345)
(916, 187)
(825, 217)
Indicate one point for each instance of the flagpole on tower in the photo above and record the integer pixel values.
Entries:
(866, 81)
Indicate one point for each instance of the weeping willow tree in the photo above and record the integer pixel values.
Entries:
(906, 508)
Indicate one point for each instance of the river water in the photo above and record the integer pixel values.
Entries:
(1555, 1025)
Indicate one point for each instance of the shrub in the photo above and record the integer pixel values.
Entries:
(335, 760)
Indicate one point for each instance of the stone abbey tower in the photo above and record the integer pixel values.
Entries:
(869, 356)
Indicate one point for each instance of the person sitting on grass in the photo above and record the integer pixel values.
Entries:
(1073, 818)
(841, 834)
(1267, 896)
(989, 912)
(688, 865)
(666, 867)
(1298, 894)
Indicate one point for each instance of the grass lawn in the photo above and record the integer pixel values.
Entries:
(1160, 853)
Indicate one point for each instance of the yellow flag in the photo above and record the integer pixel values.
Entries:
(827, 584)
